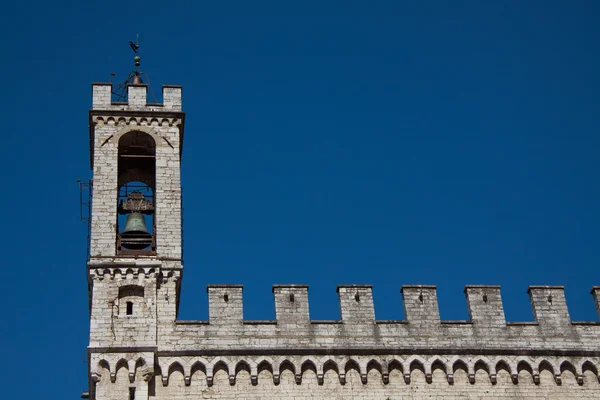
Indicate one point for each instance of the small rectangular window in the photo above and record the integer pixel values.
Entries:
(129, 308)
(131, 393)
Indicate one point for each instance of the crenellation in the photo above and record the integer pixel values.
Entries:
(137, 96)
(550, 307)
(172, 97)
(291, 304)
(225, 304)
(420, 304)
(596, 293)
(356, 304)
(139, 348)
(485, 306)
(101, 95)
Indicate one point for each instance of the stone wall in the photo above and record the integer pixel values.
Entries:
(140, 350)
(164, 123)
(437, 381)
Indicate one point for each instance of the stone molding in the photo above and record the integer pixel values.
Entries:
(188, 365)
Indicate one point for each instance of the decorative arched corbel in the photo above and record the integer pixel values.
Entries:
(96, 376)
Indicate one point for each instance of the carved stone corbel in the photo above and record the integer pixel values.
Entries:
(96, 376)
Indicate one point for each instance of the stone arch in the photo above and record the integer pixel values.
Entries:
(221, 361)
(438, 364)
(459, 363)
(330, 363)
(243, 365)
(216, 366)
(567, 365)
(589, 372)
(144, 129)
(264, 364)
(197, 366)
(104, 364)
(352, 363)
(137, 364)
(564, 364)
(523, 365)
(416, 363)
(546, 365)
(283, 365)
(374, 364)
(175, 366)
(484, 363)
(588, 365)
(503, 364)
(139, 143)
(395, 364)
(122, 363)
(264, 359)
(459, 369)
(287, 364)
(414, 360)
(220, 365)
(308, 364)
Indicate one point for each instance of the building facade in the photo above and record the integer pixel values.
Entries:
(139, 350)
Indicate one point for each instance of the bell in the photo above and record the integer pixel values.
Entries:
(135, 236)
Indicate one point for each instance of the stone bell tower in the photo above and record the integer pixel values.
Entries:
(135, 263)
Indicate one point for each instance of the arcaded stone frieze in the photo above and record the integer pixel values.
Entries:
(298, 365)
(134, 119)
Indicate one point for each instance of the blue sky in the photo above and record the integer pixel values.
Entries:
(440, 142)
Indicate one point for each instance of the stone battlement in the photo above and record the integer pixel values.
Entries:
(137, 98)
(358, 331)
(357, 306)
(139, 349)
(420, 306)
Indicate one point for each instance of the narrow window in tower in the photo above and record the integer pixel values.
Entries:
(131, 393)
(129, 308)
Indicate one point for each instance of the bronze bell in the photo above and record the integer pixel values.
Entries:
(135, 236)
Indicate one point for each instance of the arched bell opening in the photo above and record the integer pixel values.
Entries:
(137, 178)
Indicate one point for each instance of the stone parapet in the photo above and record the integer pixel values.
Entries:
(137, 95)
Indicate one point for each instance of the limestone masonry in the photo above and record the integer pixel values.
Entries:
(139, 349)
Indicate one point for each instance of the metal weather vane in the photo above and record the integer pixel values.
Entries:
(134, 77)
